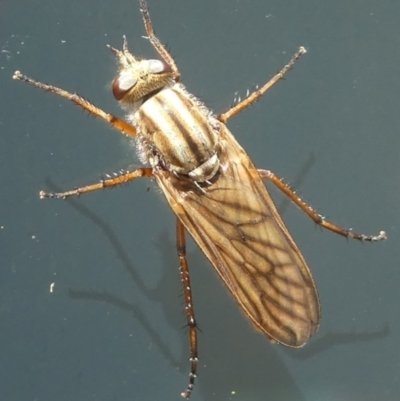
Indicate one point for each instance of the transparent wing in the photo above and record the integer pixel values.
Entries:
(237, 226)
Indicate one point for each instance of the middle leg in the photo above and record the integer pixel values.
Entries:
(259, 92)
(109, 182)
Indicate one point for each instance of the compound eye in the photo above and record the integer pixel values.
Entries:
(159, 67)
(123, 84)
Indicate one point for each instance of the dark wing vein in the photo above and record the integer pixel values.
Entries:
(238, 228)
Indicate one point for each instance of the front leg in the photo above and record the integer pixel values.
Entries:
(114, 121)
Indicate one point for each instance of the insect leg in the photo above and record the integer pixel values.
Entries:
(123, 178)
(116, 122)
(162, 51)
(253, 97)
(187, 291)
(316, 217)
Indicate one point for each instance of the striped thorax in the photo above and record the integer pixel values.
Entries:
(175, 130)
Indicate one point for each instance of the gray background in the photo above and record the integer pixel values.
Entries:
(112, 328)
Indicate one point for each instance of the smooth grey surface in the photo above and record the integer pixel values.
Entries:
(112, 328)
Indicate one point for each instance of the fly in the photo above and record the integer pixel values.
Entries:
(216, 193)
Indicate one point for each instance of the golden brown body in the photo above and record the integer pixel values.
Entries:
(216, 193)
(237, 226)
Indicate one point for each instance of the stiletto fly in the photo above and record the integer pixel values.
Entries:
(216, 193)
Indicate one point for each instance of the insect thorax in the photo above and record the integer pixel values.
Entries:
(177, 132)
